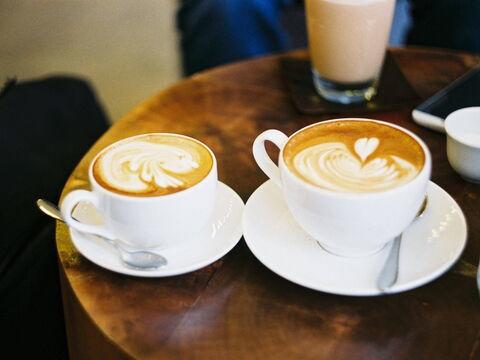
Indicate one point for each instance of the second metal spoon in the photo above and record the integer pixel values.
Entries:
(389, 274)
(136, 259)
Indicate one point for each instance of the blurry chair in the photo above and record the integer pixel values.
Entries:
(46, 127)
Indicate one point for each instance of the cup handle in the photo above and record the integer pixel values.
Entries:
(68, 204)
(261, 156)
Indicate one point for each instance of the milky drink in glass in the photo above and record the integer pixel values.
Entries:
(347, 42)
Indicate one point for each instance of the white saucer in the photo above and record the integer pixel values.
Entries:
(430, 246)
(217, 239)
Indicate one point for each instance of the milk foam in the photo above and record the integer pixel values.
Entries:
(333, 166)
(136, 166)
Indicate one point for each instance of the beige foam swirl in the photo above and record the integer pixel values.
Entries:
(136, 166)
(333, 166)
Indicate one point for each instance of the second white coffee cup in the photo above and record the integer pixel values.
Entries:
(149, 221)
(463, 142)
(345, 224)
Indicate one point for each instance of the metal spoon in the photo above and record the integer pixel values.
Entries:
(137, 259)
(389, 274)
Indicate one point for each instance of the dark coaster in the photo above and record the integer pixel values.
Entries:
(393, 89)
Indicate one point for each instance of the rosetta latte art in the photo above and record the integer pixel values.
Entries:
(333, 166)
(138, 166)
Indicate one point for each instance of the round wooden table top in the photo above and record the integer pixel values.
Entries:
(236, 308)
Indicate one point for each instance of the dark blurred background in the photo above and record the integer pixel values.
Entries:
(128, 49)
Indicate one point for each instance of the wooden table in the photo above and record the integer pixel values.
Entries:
(236, 308)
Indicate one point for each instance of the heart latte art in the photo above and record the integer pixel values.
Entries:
(338, 159)
(333, 166)
(152, 165)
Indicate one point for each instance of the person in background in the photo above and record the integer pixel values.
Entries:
(215, 32)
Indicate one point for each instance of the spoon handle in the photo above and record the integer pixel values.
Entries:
(388, 276)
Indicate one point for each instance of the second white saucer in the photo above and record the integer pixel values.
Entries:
(217, 239)
(430, 246)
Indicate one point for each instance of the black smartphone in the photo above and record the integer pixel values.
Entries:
(463, 92)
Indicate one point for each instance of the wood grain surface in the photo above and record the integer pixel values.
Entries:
(236, 308)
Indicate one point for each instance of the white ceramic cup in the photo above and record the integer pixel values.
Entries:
(345, 224)
(463, 142)
(146, 222)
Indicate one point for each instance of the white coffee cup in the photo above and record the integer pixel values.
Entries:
(146, 222)
(463, 142)
(345, 224)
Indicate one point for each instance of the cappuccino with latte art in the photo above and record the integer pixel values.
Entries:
(352, 185)
(154, 191)
(152, 165)
(354, 156)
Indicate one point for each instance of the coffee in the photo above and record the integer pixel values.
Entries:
(334, 175)
(354, 156)
(152, 165)
(347, 38)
